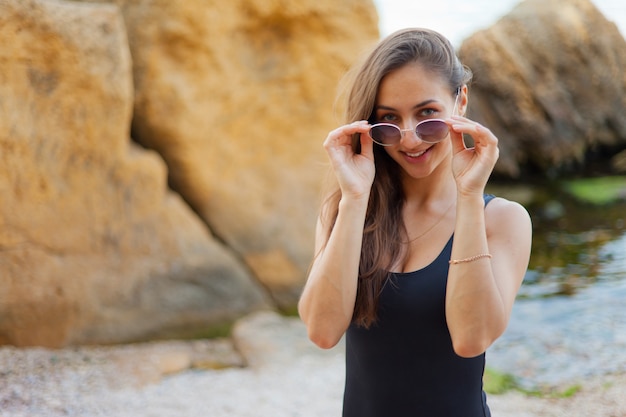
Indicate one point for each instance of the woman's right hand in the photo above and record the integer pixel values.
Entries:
(354, 172)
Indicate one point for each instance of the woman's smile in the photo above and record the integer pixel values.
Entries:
(417, 156)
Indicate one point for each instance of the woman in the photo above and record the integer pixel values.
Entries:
(414, 263)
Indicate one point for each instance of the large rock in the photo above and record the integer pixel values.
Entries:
(93, 246)
(238, 96)
(550, 83)
(268, 340)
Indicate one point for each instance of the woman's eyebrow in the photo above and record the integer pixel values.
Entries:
(423, 103)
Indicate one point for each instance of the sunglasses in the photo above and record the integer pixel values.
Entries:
(429, 131)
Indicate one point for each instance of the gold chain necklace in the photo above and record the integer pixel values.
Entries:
(434, 224)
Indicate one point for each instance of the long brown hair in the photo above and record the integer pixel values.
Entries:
(384, 229)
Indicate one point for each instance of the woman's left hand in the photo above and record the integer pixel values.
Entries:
(472, 167)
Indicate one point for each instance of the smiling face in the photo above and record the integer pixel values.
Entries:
(407, 96)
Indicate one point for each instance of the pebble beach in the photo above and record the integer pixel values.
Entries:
(268, 368)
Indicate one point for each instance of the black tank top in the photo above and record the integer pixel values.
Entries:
(404, 365)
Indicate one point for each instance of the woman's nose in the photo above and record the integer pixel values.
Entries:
(409, 137)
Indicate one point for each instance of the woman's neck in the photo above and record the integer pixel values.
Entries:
(438, 186)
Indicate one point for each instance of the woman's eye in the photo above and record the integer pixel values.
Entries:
(388, 118)
(428, 112)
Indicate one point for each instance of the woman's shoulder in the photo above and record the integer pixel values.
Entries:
(503, 213)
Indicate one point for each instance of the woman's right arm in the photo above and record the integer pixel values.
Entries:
(327, 301)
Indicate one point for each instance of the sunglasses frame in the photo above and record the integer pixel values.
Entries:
(402, 131)
(414, 130)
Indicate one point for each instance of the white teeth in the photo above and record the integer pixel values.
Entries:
(415, 155)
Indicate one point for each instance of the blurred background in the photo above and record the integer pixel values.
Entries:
(161, 164)
(458, 19)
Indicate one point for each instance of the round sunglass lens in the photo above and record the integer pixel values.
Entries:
(432, 130)
(385, 134)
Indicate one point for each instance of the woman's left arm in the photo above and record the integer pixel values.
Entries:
(481, 292)
(491, 247)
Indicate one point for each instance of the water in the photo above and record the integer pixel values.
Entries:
(559, 340)
(569, 321)
(457, 19)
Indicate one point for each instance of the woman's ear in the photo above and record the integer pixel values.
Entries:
(463, 99)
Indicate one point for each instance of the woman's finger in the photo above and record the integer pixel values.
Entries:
(458, 144)
(367, 145)
(481, 135)
(343, 134)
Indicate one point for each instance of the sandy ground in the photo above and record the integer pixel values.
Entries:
(268, 369)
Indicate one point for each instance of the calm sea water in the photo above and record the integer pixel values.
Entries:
(457, 19)
(560, 340)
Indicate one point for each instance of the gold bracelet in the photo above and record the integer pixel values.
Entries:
(470, 259)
